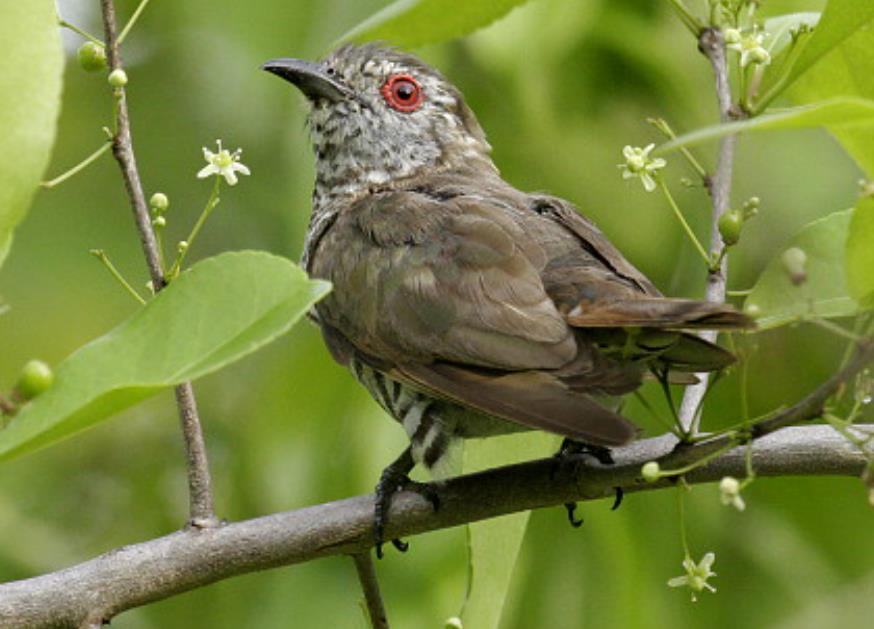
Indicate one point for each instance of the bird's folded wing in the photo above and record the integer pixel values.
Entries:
(468, 292)
(533, 399)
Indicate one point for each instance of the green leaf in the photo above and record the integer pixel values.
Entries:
(30, 99)
(220, 310)
(493, 545)
(780, 27)
(775, 301)
(839, 21)
(411, 23)
(860, 254)
(834, 113)
(847, 71)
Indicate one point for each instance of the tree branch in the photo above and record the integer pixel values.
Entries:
(141, 573)
(135, 575)
(202, 511)
(712, 44)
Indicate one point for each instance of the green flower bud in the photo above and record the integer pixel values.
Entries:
(795, 265)
(650, 471)
(36, 376)
(730, 225)
(454, 623)
(92, 57)
(159, 222)
(117, 78)
(159, 202)
(182, 246)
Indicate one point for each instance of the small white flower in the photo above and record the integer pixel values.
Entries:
(749, 46)
(729, 493)
(223, 164)
(696, 575)
(639, 164)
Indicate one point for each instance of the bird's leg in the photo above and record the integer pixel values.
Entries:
(565, 456)
(393, 479)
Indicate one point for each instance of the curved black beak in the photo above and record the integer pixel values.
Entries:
(310, 78)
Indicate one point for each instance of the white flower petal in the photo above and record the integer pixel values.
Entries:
(677, 582)
(230, 177)
(649, 183)
(206, 171)
(240, 168)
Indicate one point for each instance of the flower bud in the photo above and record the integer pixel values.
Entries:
(795, 265)
(730, 225)
(92, 57)
(650, 471)
(182, 246)
(454, 623)
(36, 376)
(159, 202)
(117, 78)
(159, 222)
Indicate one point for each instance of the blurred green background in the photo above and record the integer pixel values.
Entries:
(560, 86)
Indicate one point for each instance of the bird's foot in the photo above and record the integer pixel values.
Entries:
(395, 479)
(567, 457)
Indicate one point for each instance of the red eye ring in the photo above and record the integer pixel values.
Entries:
(403, 92)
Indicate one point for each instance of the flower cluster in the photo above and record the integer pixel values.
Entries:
(749, 45)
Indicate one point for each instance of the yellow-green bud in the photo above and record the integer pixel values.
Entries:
(117, 78)
(159, 202)
(159, 222)
(36, 376)
(650, 471)
(92, 57)
(795, 265)
(182, 246)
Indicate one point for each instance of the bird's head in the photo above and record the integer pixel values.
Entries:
(379, 117)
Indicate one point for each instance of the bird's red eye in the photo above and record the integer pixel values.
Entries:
(402, 92)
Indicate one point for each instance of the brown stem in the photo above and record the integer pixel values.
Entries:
(370, 587)
(712, 44)
(199, 484)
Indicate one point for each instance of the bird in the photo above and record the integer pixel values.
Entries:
(466, 307)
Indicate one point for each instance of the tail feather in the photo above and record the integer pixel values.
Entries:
(659, 312)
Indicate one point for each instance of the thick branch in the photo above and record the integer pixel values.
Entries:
(712, 45)
(199, 483)
(138, 574)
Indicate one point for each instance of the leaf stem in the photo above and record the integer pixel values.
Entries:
(100, 254)
(65, 24)
(78, 167)
(679, 214)
(662, 125)
(133, 20)
(686, 17)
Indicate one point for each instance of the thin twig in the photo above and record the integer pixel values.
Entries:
(370, 588)
(199, 483)
(712, 45)
(77, 168)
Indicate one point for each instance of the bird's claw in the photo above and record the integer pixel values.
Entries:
(394, 479)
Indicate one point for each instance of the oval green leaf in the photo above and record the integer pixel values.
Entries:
(840, 19)
(846, 71)
(860, 254)
(30, 99)
(841, 112)
(776, 301)
(220, 310)
(412, 23)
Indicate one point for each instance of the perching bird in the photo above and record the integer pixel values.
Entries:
(466, 307)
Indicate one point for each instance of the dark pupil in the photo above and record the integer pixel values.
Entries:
(405, 90)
